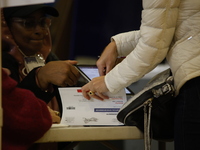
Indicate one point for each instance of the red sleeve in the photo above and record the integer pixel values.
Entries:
(25, 117)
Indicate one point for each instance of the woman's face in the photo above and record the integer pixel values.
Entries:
(29, 40)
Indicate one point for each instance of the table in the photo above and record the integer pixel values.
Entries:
(102, 134)
(65, 133)
(62, 133)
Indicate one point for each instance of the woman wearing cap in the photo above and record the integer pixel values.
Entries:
(26, 46)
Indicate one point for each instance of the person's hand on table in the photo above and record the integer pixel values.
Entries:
(95, 89)
(54, 115)
(107, 59)
(60, 73)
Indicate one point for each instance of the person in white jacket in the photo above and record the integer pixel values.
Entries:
(169, 29)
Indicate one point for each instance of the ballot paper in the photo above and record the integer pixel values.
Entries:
(78, 111)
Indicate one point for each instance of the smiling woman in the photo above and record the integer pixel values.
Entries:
(29, 28)
(27, 52)
(30, 33)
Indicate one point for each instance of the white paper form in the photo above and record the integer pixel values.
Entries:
(77, 110)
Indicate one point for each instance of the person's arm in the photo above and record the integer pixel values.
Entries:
(119, 47)
(25, 117)
(126, 42)
(40, 82)
(159, 19)
(156, 32)
(30, 83)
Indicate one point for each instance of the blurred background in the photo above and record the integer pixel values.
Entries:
(84, 27)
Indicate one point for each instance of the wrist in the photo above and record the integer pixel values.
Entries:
(44, 87)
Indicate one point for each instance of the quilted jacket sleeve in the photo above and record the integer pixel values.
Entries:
(126, 42)
(159, 19)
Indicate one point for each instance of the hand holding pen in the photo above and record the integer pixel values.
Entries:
(108, 59)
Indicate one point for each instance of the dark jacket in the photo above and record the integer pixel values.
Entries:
(29, 81)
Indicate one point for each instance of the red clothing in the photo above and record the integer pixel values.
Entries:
(25, 117)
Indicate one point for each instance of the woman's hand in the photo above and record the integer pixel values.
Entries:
(108, 59)
(60, 73)
(54, 115)
(95, 89)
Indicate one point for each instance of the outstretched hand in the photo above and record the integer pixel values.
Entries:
(60, 73)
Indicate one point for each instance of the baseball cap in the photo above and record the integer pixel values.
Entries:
(23, 11)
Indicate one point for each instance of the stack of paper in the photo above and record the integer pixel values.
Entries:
(79, 111)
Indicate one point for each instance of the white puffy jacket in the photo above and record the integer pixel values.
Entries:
(169, 28)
